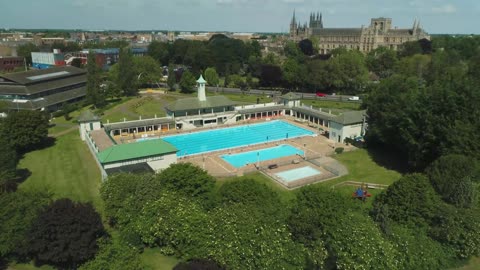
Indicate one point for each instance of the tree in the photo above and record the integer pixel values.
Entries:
(17, 215)
(160, 51)
(65, 234)
(411, 201)
(148, 70)
(211, 76)
(458, 229)
(294, 73)
(8, 164)
(187, 82)
(453, 177)
(95, 94)
(25, 130)
(270, 76)
(306, 46)
(320, 217)
(254, 195)
(171, 81)
(113, 255)
(242, 238)
(173, 222)
(127, 79)
(382, 61)
(76, 62)
(187, 179)
(26, 50)
(125, 194)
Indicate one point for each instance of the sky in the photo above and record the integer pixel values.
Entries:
(436, 16)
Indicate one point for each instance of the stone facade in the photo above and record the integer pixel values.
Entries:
(379, 33)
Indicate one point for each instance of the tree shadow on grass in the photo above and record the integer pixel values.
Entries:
(389, 158)
(20, 176)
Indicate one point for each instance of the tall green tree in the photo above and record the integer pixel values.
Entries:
(294, 73)
(8, 164)
(25, 130)
(113, 255)
(187, 82)
(18, 212)
(187, 179)
(95, 94)
(211, 76)
(454, 178)
(160, 51)
(65, 234)
(148, 70)
(127, 79)
(171, 80)
(26, 50)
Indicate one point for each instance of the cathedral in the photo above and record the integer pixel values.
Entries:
(379, 33)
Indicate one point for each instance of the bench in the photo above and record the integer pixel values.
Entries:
(272, 166)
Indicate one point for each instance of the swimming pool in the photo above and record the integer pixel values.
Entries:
(299, 173)
(227, 138)
(242, 159)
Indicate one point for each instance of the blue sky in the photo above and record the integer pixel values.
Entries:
(436, 16)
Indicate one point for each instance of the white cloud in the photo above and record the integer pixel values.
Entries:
(445, 9)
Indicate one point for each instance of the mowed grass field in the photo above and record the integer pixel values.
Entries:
(67, 169)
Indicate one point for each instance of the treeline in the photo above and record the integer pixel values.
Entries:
(423, 221)
(430, 105)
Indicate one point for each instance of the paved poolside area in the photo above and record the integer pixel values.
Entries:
(316, 151)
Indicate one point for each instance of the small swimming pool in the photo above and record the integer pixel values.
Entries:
(299, 173)
(233, 137)
(242, 159)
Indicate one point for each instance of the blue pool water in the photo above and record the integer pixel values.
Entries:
(299, 173)
(227, 138)
(240, 160)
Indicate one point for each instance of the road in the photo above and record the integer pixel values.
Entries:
(276, 93)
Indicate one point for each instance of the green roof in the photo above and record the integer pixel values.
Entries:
(186, 104)
(137, 150)
(291, 96)
(350, 117)
(88, 116)
(201, 79)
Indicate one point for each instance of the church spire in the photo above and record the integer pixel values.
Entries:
(321, 21)
(293, 18)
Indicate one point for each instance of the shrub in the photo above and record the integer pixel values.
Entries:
(339, 150)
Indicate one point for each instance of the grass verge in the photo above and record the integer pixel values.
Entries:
(66, 169)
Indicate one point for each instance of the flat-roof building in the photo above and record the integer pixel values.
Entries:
(45, 89)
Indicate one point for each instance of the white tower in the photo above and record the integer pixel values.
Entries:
(201, 88)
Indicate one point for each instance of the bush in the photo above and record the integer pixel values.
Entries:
(453, 177)
(339, 150)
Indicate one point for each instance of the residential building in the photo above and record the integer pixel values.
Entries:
(8, 64)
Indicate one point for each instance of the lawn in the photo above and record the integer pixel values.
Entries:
(66, 169)
(362, 168)
(154, 260)
(474, 264)
(134, 108)
(335, 106)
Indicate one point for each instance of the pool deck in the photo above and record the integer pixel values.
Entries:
(316, 148)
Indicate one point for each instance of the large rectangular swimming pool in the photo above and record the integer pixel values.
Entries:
(242, 159)
(227, 138)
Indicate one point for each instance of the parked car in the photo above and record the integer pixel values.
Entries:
(321, 94)
(353, 98)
